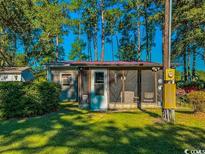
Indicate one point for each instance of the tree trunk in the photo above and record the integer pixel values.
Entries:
(90, 52)
(89, 47)
(4, 58)
(150, 49)
(57, 43)
(188, 64)
(14, 40)
(117, 44)
(112, 46)
(103, 31)
(194, 64)
(147, 33)
(95, 44)
(185, 64)
(79, 32)
(139, 40)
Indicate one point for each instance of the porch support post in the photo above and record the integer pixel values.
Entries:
(155, 86)
(79, 86)
(139, 88)
(123, 86)
(89, 87)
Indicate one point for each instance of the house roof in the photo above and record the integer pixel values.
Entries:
(13, 70)
(104, 64)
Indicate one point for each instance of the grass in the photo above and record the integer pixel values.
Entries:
(72, 130)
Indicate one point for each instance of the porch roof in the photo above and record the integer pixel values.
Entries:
(13, 70)
(104, 64)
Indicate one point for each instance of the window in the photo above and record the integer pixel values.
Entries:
(99, 83)
(66, 79)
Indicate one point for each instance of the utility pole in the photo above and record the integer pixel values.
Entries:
(167, 113)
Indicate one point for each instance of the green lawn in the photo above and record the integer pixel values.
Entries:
(72, 130)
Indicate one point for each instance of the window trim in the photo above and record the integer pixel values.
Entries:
(61, 78)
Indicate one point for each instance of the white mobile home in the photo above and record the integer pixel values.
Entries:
(22, 74)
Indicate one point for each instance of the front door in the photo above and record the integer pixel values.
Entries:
(99, 90)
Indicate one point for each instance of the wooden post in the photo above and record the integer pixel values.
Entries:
(89, 86)
(155, 86)
(168, 115)
(139, 88)
(79, 87)
(123, 86)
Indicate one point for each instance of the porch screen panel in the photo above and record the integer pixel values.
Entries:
(115, 85)
(159, 87)
(147, 87)
(131, 85)
(85, 82)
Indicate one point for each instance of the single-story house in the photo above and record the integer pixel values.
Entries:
(109, 85)
(22, 74)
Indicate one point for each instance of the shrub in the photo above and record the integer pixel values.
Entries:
(197, 98)
(28, 99)
(190, 86)
(10, 99)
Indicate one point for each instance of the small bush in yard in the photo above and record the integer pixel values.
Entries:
(197, 98)
(11, 99)
(190, 86)
(28, 99)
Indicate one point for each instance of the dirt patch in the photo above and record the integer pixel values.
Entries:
(199, 114)
(159, 121)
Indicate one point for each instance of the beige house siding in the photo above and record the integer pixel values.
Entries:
(69, 92)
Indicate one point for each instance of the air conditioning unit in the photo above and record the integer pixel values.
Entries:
(66, 79)
(84, 102)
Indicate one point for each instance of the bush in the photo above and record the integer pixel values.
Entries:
(28, 99)
(197, 98)
(10, 99)
(199, 84)
(190, 86)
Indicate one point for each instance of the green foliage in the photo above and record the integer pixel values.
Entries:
(201, 75)
(28, 99)
(130, 24)
(127, 52)
(11, 104)
(188, 34)
(199, 84)
(20, 60)
(182, 100)
(197, 98)
(127, 47)
(77, 51)
(177, 75)
(40, 75)
(38, 24)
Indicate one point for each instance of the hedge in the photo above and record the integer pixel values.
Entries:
(197, 98)
(199, 84)
(28, 99)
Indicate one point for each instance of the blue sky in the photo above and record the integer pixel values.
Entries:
(156, 52)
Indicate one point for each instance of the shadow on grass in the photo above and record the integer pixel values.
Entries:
(77, 134)
(152, 114)
(185, 112)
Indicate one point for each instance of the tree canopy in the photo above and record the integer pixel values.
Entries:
(34, 30)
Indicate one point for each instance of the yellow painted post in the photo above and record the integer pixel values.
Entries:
(169, 94)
